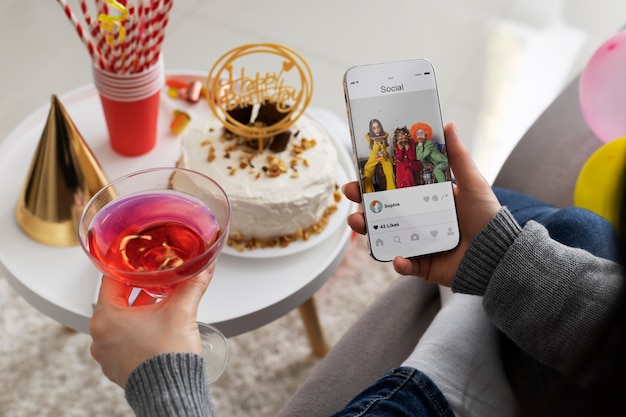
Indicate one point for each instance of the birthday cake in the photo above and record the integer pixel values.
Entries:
(281, 179)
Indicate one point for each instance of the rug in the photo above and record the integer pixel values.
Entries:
(46, 369)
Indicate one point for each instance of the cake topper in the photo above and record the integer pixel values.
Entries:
(260, 104)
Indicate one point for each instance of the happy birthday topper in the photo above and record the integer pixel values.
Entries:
(259, 103)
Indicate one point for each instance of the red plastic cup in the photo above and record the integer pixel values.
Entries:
(130, 103)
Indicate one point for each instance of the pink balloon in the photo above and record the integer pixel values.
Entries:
(602, 89)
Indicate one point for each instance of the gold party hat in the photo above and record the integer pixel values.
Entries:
(63, 176)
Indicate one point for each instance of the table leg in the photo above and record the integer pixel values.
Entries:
(308, 312)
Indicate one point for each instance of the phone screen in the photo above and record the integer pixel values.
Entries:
(400, 154)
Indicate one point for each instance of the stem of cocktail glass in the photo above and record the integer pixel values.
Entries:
(215, 350)
(215, 346)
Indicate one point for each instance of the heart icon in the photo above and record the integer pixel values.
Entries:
(434, 233)
(375, 227)
(426, 199)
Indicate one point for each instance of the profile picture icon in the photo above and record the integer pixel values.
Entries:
(376, 206)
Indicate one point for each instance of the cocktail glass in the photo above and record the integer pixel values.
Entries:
(155, 228)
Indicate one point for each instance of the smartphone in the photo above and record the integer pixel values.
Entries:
(401, 159)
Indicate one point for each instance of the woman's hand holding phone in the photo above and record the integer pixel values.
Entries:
(476, 205)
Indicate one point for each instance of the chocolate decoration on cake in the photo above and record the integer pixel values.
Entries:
(280, 141)
(270, 114)
(241, 114)
(267, 114)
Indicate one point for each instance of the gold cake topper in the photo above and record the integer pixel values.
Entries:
(259, 104)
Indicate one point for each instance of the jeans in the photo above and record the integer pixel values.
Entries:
(401, 392)
(572, 226)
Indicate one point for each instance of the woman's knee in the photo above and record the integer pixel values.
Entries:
(579, 227)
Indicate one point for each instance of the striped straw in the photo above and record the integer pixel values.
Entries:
(145, 30)
(93, 51)
(102, 7)
(97, 35)
(85, 9)
(158, 24)
(167, 6)
(127, 39)
(130, 42)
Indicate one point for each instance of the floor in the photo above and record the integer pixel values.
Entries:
(499, 62)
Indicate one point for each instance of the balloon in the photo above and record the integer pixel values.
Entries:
(602, 89)
(599, 184)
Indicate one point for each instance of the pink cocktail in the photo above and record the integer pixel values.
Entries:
(155, 228)
(155, 239)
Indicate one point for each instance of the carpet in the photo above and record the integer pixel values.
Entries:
(46, 369)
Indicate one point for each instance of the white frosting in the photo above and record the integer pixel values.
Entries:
(263, 206)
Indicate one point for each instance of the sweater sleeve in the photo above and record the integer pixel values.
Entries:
(550, 299)
(170, 384)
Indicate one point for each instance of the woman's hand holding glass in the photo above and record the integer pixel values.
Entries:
(159, 231)
(124, 336)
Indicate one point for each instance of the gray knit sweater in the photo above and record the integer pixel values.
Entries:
(170, 384)
(548, 298)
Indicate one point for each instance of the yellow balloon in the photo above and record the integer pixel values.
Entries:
(599, 182)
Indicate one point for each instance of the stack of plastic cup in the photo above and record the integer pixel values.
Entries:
(131, 107)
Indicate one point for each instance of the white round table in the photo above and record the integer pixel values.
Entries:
(245, 293)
